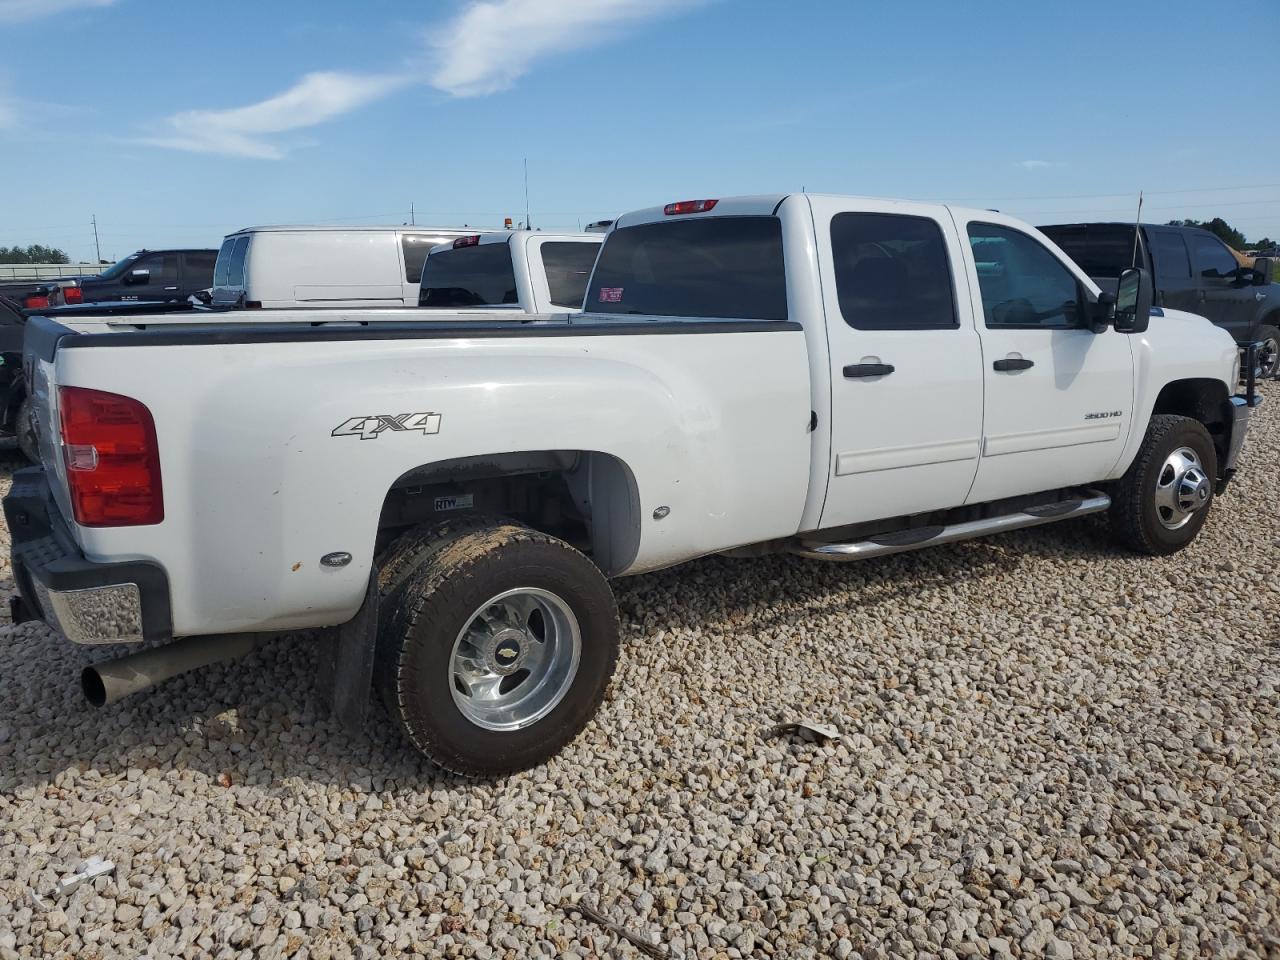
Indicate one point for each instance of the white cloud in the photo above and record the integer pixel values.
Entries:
(1039, 164)
(492, 43)
(486, 48)
(246, 131)
(17, 11)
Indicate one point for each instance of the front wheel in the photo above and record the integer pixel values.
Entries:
(497, 648)
(1163, 499)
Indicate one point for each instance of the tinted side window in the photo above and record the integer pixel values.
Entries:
(568, 268)
(1104, 250)
(416, 249)
(1213, 259)
(163, 268)
(1169, 254)
(892, 272)
(235, 268)
(478, 276)
(199, 269)
(1022, 283)
(221, 268)
(723, 267)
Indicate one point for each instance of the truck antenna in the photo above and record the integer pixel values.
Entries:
(527, 224)
(1136, 229)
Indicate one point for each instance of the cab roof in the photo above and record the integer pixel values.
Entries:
(337, 228)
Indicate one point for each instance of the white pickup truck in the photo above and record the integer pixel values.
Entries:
(445, 497)
(527, 270)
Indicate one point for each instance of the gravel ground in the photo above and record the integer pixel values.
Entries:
(1049, 748)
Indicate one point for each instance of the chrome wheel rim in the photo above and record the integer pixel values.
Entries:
(1182, 489)
(1268, 357)
(515, 659)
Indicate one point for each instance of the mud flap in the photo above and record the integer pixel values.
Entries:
(346, 663)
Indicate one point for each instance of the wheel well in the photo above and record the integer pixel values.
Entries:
(1203, 400)
(587, 498)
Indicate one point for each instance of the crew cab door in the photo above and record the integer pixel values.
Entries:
(1171, 270)
(1058, 398)
(906, 380)
(197, 271)
(1226, 290)
(151, 277)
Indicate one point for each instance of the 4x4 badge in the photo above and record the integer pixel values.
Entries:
(370, 428)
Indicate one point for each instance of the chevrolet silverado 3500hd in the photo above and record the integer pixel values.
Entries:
(444, 498)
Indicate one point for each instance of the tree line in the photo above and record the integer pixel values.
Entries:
(36, 253)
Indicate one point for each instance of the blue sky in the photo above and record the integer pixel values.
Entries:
(178, 122)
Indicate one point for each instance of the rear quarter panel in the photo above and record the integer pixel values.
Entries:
(257, 489)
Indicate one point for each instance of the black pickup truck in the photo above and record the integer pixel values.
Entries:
(1193, 271)
(148, 276)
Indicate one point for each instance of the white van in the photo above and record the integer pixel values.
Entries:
(310, 266)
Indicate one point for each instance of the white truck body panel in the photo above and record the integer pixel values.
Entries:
(740, 431)
(703, 425)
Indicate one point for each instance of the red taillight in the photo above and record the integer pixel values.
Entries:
(466, 242)
(72, 295)
(112, 459)
(689, 206)
(36, 301)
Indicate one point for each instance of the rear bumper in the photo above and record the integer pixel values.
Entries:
(87, 602)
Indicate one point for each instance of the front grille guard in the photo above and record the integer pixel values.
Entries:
(1249, 354)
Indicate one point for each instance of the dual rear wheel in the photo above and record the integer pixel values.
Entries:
(496, 646)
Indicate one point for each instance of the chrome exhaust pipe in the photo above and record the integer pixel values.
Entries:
(112, 680)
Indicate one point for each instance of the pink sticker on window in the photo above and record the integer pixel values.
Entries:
(611, 294)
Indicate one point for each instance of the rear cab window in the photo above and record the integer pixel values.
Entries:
(480, 275)
(567, 265)
(714, 268)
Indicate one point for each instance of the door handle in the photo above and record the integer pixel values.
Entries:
(1013, 363)
(868, 370)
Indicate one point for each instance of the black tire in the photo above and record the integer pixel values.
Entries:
(1135, 520)
(435, 581)
(1269, 355)
(24, 429)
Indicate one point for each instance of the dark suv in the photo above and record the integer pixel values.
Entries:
(1193, 271)
(152, 275)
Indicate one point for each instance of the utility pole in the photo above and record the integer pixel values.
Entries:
(97, 248)
(412, 221)
(527, 224)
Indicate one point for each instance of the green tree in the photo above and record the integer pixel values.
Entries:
(1219, 227)
(35, 253)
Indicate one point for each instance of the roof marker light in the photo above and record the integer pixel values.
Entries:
(689, 206)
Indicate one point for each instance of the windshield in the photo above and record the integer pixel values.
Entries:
(118, 268)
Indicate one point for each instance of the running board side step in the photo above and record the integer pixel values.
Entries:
(902, 541)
